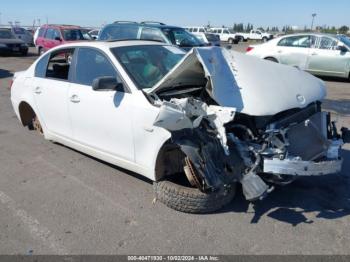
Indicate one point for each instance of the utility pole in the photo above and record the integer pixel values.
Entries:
(313, 18)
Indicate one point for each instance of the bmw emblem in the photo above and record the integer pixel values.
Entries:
(301, 99)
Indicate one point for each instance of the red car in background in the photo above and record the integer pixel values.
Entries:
(50, 36)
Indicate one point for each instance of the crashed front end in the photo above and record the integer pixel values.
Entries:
(232, 129)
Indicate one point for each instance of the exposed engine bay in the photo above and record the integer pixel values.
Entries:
(225, 144)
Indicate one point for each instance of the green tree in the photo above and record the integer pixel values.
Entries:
(343, 29)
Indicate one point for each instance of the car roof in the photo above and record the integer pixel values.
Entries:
(61, 26)
(146, 24)
(109, 44)
(312, 33)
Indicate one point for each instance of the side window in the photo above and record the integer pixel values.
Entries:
(327, 43)
(195, 30)
(50, 33)
(303, 41)
(92, 64)
(201, 30)
(151, 34)
(41, 66)
(190, 29)
(226, 32)
(56, 34)
(59, 64)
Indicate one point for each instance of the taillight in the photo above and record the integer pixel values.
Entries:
(11, 82)
(249, 48)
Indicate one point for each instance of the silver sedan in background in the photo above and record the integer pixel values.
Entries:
(319, 54)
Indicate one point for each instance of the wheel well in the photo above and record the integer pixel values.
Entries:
(26, 113)
(169, 160)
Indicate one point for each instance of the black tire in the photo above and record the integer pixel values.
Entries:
(40, 51)
(264, 39)
(230, 41)
(24, 53)
(191, 200)
(271, 59)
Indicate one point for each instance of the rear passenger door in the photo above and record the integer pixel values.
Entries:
(100, 119)
(294, 50)
(51, 86)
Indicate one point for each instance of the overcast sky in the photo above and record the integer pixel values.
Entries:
(178, 12)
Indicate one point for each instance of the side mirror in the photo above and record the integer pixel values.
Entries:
(342, 48)
(57, 38)
(106, 83)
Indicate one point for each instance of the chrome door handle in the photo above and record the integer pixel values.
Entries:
(279, 51)
(74, 99)
(314, 54)
(37, 90)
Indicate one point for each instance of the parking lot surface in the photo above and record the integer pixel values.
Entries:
(54, 200)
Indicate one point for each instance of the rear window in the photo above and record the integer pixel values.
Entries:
(119, 32)
(212, 37)
(41, 32)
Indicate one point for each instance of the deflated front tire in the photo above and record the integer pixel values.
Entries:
(191, 200)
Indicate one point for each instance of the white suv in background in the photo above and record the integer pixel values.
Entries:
(225, 35)
(202, 34)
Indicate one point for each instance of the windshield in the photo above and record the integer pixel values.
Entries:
(6, 34)
(147, 64)
(181, 37)
(344, 39)
(72, 34)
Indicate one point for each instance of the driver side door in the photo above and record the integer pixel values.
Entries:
(101, 120)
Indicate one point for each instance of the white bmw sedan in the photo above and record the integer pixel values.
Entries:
(195, 123)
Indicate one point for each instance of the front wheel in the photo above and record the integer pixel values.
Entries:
(264, 39)
(36, 125)
(191, 200)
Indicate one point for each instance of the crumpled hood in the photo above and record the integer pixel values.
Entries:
(251, 85)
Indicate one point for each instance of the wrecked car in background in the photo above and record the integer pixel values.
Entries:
(196, 124)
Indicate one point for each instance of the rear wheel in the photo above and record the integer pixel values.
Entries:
(40, 51)
(24, 53)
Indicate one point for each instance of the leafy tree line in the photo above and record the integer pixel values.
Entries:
(240, 27)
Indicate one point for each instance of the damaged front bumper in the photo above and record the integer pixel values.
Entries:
(302, 168)
(331, 163)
